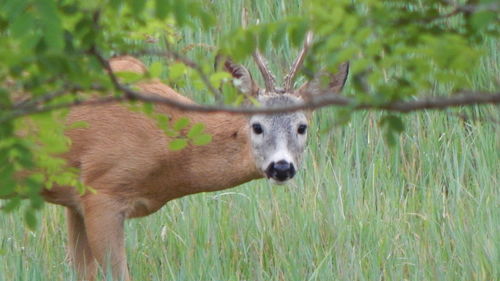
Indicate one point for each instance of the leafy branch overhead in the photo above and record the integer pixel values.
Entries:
(403, 57)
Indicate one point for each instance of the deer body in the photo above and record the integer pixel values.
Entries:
(136, 165)
(123, 155)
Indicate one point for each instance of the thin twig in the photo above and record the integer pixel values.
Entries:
(42, 99)
(196, 67)
(55, 94)
(34, 110)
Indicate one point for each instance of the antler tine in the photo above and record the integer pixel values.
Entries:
(269, 79)
(298, 62)
(261, 62)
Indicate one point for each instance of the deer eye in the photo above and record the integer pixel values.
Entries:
(302, 129)
(257, 128)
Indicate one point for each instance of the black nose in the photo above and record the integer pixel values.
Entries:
(281, 170)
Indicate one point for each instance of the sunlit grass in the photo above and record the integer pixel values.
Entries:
(427, 209)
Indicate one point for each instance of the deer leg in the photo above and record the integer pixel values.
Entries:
(104, 221)
(79, 251)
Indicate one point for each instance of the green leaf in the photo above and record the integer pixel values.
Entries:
(343, 116)
(264, 37)
(180, 12)
(196, 130)
(297, 34)
(148, 108)
(393, 125)
(137, 6)
(115, 4)
(129, 77)
(279, 35)
(482, 19)
(8, 184)
(197, 83)
(155, 69)
(390, 137)
(181, 123)
(51, 24)
(359, 65)
(172, 133)
(4, 98)
(238, 100)
(36, 201)
(78, 125)
(254, 101)
(177, 70)
(12, 205)
(22, 154)
(177, 144)
(162, 121)
(250, 44)
(202, 139)
(30, 218)
(217, 78)
(162, 8)
(207, 19)
(13, 8)
(350, 24)
(22, 25)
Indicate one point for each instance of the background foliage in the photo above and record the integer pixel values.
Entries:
(423, 210)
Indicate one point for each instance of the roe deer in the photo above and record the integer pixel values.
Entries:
(123, 155)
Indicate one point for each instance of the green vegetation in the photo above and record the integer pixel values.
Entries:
(427, 208)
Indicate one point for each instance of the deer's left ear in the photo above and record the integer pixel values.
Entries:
(242, 78)
(325, 82)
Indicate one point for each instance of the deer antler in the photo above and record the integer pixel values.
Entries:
(269, 79)
(298, 62)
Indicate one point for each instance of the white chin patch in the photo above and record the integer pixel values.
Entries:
(273, 181)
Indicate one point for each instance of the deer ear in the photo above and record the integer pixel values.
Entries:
(242, 79)
(325, 82)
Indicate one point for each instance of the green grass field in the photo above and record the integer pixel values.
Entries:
(426, 209)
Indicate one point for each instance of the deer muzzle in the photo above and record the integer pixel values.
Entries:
(280, 171)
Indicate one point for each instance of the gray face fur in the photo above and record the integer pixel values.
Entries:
(278, 140)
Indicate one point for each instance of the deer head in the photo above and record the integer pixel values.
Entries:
(278, 140)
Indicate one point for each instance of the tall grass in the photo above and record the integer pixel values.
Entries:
(427, 209)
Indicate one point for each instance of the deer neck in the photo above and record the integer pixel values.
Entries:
(225, 162)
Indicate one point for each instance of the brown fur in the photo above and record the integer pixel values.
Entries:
(124, 156)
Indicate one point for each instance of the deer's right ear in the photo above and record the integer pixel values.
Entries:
(242, 79)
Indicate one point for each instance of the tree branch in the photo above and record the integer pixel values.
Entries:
(434, 103)
(462, 98)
